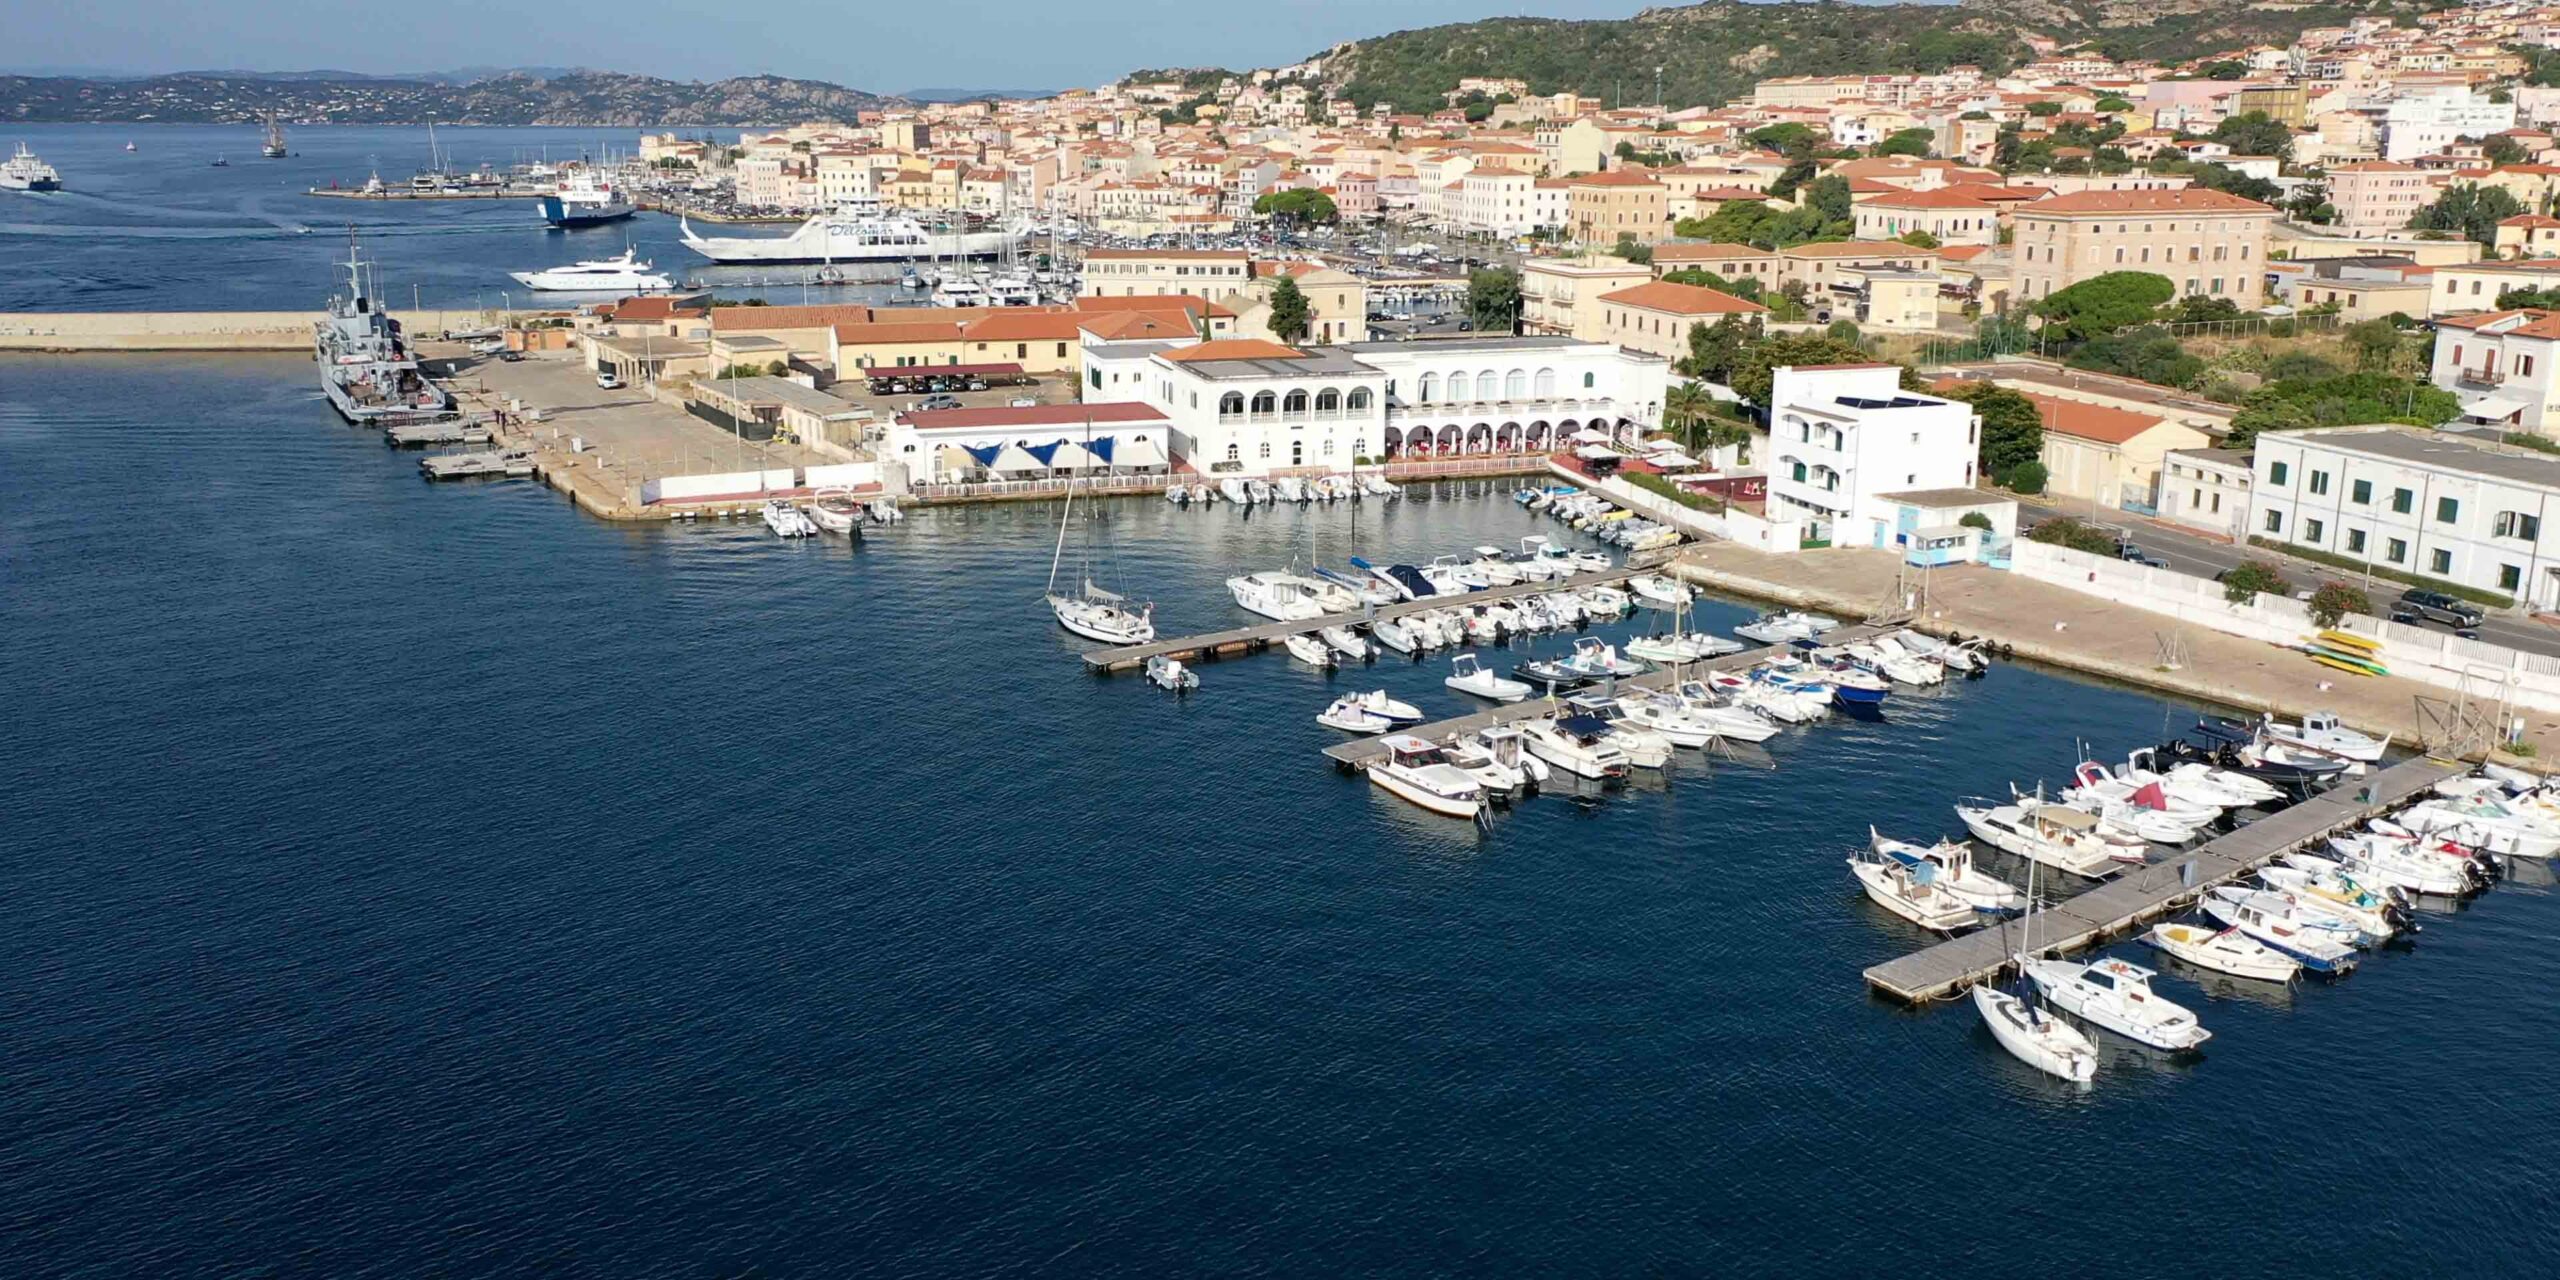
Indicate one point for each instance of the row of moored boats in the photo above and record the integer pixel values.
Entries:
(1244, 492)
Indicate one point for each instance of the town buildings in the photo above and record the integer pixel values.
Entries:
(1842, 438)
(2208, 243)
(2415, 503)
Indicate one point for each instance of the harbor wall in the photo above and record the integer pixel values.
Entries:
(2422, 654)
(1733, 524)
(193, 330)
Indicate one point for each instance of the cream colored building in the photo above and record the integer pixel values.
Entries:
(1562, 295)
(2111, 456)
(1603, 208)
(2208, 243)
(1126, 273)
(1655, 317)
(2377, 196)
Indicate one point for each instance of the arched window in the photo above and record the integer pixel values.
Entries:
(1358, 401)
(1296, 403)
(1230, 404)
(1515, 384)
(1546, 386)
(1328, 401)
(1424, 393)
(1488, 385)
(1457, 386)
(1263, 404)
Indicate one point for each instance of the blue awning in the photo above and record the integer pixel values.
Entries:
(1044, 452)
(1100, 447)
(984, 453)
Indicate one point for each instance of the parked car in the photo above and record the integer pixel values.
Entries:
(939, 402)
(2436, 606)
(2127, 551)
(607, 381)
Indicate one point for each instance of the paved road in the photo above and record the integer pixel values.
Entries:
(2204, 558)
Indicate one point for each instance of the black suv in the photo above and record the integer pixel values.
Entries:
(2436, 606)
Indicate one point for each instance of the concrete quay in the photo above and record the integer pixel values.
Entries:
(200, 331)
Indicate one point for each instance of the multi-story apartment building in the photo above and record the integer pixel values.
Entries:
(1123, 273)
(2417, 502)
(2474, 286)
(1656, 317)
(2427, 121)
(2208, 243)
(1843, 437)
(2503, 365)
(2375, 196)
(1562, 295)
(1604, 208)
(1949, 214)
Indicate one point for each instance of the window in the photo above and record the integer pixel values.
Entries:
(2439, 562)
(1264, 403)
(2276, 473)
(1328, 401)
(1357, 400)
(2360, 493)
(2516, 524)
(2401, 500)
(2396, 550)
(2311, 531)
(1488, 386)
(1295, 405)
(2448, 511)
(1545, 384)
(1229, 405)
(1515, 384)
(2319, 482)
(1587, 381)
(2355, 542)
(2217, 502)
(2275, 522)
(2509, 577)
(1429, 387)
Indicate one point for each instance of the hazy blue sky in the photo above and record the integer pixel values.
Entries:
(872, 44)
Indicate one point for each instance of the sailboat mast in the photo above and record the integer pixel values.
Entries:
(1061, 551)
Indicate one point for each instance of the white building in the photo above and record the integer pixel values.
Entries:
(2503, 365)
(2422, 124)
(1251, 407)
(1843, 436)
(2207, 489)
(2415, 502)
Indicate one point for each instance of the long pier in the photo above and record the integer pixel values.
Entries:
(1254, 639)
(1357, 753)
(2161, 889)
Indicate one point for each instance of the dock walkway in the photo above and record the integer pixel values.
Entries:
(2158, 890)
(1359, 752)
(1253, 639)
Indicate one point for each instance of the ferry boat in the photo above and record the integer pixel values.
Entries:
(852, 236)
(585, 201)
(626, 274)
(366, 367)
(23, 172)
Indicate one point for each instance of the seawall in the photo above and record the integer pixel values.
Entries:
(192, 330)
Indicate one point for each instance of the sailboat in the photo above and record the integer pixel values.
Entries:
(1092, 612)
(2031, 1033)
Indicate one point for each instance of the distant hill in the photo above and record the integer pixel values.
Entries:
(601, 98)
(1715, 51)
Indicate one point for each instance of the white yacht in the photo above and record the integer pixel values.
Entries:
(623, 275)
(1012, 291)
(2064, 839)
(1578, 744)
(960, 292)
(23, 172)
(1092, 612)
(1419, 772)
(2222, 950)
(786, 521)
(2036, 1037)
(1911, 893)
(1277, 596)
(852, 236)
(2117, 996)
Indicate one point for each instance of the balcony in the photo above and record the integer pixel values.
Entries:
(2480, 377)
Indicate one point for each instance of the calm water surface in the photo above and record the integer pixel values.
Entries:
(411, 880)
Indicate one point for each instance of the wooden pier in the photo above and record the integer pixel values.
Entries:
(1358, 753)
(1254, 639)
(2144, 894)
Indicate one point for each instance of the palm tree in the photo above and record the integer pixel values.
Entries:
(1683, 405)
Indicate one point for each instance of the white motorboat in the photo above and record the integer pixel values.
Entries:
(1578, 744)
(1604, 602)
(2117, 995)
(2484, 822)
(2375, 916)
(1665, 714)
(1351, 715)
(1643, 748)
(1535, 565)
(1466, 675)
(2061, 838)
(2223, 951)
(1232, 489)
(2097, 780)
(836, 511)
(1895, 665)
(1508, 746)
(1378, 486)
(2126, 826)
(1349, 643)
(1397, 634)
(1785, 627)
(1168, 673)
(1496, 760)
(959, 291)
(2194, 784)
(1277, 596)
(1911, 893)
(2270, 920)
(1677, 647)
(1949, 864)
(1661, 589)
(1730, 720)
(1311, 651)
(2399, 865)
(1393, 709)
(2036, 1037)
(2322, 732)
(1417, 771)
(1257, 491)
(1965, 656)
(1497, 568)
(786, 521)
(1453, 575)
(626, 274)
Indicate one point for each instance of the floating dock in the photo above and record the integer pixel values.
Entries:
(490, 462)
(2144, 894)
(1254, 639)
(1357, 753)
(426, 433)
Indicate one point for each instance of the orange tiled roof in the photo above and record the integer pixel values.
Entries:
(1682, 299)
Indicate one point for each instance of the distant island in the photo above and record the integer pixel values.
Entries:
(598, 98)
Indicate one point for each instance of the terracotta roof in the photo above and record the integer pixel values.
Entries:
(2541, 324)
(1016, 324)
(787, 317)
(1616, 178)
(1235, 349)
(1189, 255)
(2084, 421)
(867, 334)
(2107, 203)
(1125, 326)
(1942, 198)
(1167, 303)
(1682, 299)
(2526, 220)
(1854, 249)
(1707, 251)
(1036, 415)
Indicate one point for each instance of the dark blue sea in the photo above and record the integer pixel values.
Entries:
(431, 881)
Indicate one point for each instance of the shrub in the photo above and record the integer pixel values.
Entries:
(2027, 478)
(2335, 600)
(1976, 520)
(2242, 585)
(2064, 531)
(1652, 483)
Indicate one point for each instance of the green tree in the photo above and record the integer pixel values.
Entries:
(2103, 304)
(2111, 105)
(1289, 320)
(2147, 353)
(2502, 150)
(2243, 583)
(2222, 177)
(2334, 601)
(2470, 210)
(1975, 520)
(2543, 299)
(2012, 428)
(1714, 349)
(1751, 376)
(2026, 478)
(2225, 69)
(1919, 239)
(1305, 204)
(1493, 299)
(2065, 531)
(2196, 308)
(1908, 142)
(1629, 249)
(2377, 344)
(1785, 138)
(2255, 133)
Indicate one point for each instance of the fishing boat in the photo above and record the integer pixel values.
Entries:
(1419, 772)
(1912, 892)
(1954, 871)
(1466, 675)
(2223, 951)
(1577, 744)
(1169, 674)
(2116, 995)
(1352, 715)
(1311, 651)
(1090, 611)
(2058, 837)
(2321, 731)
(1508, 746)
(2265, 919)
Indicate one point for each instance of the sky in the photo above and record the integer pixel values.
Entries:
(880, 45)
